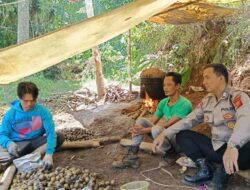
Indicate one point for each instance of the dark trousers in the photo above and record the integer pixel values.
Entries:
(28, 146)
(196, 146)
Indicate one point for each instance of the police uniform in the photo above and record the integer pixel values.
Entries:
(229, 119)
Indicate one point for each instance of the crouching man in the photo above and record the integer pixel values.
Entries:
(227, 111)
(173, 108)
(26, 126)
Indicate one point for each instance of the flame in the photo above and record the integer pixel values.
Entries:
(149, 104)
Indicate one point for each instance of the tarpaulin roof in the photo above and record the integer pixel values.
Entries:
(40, 53)
(192, 11)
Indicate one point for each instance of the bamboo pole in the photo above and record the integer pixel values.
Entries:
(146, 146)
(129, 61)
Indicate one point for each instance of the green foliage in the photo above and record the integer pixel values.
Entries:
(8, 25)
(46, 87)
(102, 6)
(47, 16)
(236, 41)
(186, 73)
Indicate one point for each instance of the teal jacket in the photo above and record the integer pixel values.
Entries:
(19, 125)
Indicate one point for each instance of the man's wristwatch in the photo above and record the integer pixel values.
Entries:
(232, 145)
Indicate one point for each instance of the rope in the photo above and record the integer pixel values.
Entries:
(12, 3)
(164, 185)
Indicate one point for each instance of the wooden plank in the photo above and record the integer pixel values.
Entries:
(93, 143)
(38, 54)
(245, 174)
(81, 144)
(7, 178)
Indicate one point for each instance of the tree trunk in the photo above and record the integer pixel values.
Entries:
(99, 76)
(96, 56)
(206, 50)
(129, 62)
(23, 21)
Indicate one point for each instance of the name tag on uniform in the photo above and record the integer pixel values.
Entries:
(228, 116)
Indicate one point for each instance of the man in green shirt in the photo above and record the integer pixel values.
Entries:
(173, 108)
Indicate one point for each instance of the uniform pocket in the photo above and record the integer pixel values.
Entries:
(208, 117)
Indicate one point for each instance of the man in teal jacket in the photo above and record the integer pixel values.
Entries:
(26, 126)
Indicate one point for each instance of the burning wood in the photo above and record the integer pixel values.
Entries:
(140, 109)
(149, 104)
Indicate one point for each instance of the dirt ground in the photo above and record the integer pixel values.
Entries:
(100, 160)
(108, 122)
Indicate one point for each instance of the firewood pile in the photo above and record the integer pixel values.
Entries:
(115, 93)
(3, 109)
(62, 178)
(76, 101)
(135, 110)
(77, 134)
(85, 99)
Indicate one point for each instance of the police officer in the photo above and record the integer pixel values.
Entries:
(227, 112)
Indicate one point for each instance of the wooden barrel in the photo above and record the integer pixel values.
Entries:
(153, 87)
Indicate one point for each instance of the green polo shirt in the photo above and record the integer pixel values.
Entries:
(180, 109)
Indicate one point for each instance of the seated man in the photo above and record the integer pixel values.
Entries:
(24, 125)
(173, 108)
(227, 111)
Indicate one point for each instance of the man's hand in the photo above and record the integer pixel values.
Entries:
(48, 162)
(139, 130)
(13, 150)
(158, 142)
(230, 160)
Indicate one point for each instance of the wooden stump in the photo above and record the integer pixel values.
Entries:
(245, 174)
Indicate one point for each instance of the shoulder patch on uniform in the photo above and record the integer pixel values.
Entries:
(237, 102)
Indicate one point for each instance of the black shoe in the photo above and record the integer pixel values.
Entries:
(130, 160)
(202, 176)
(220, 179)
(170, 157)
(133, 149)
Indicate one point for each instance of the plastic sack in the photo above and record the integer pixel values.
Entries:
(86, 188)
(29, 162)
